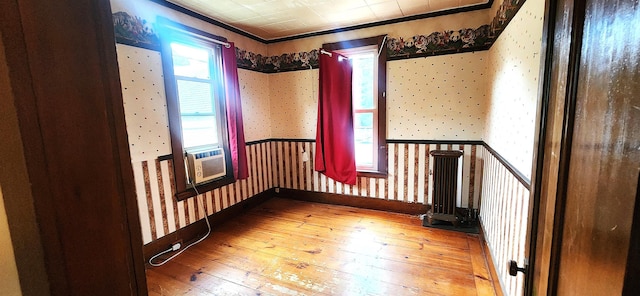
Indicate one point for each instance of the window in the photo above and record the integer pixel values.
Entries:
(368, 95)
(194, 84)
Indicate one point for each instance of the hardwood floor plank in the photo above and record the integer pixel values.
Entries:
(374, 218)
(282, 265)
(287, 247)
(238, 269)
(482, 276)
(204, 281)
(354, 267)
(357, 239)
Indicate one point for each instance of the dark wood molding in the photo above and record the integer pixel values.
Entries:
(540, 134)
(345, 44)
(441, 52)
(195, 230)
(122, 154)
(577, 16)
(515, 172)
(353, 201)
(258, 142)
(446, 142)
(82, 189)
(632, 272)
(23, 181)
(128, 42)
(204, 187)
(165, 157)
(291, 140)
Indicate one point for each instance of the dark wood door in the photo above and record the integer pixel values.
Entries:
(64, 83)
(599, 142)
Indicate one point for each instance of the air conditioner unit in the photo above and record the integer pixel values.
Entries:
(205, 165)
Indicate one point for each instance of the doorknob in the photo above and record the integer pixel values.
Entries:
(513, 268)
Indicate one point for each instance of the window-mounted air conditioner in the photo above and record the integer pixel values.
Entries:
(205, 165)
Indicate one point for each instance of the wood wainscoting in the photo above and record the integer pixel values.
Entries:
(286, 246)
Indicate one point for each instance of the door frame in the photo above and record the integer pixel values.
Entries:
(53, 187)
(553, 135)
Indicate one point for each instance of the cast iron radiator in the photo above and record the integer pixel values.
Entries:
(445, 186)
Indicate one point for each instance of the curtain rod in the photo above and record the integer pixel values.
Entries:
(225, 44)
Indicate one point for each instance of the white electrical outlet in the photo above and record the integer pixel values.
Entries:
(305, 156)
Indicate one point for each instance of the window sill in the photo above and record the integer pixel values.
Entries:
(372, 174)
(204, 187)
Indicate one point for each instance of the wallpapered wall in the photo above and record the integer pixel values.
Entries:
(434, 98)
(514, 63)
(144, 102)
(437, 98)
(256, 105)
(294, 104)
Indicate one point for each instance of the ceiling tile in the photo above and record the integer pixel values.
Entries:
(413, 7)
(269, 19)
(386, 10)
(355, 16)
(378, 1)
(436, 5)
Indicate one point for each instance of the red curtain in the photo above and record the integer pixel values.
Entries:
(234, 113)
(335, 151)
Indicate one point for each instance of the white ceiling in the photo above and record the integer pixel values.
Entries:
(274, 19)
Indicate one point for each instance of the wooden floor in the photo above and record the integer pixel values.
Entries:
(287, 247)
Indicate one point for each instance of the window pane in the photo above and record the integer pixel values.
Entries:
(199, 131)
(190, 61)
(363, 91)
(363, 136)
(195, 97)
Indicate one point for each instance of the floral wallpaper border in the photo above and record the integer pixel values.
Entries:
(135, 31)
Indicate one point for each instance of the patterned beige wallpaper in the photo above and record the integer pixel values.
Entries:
(434, 98)
(144, 102)
(254, 93)
(294, 104)
(437, 98)
(514, 62)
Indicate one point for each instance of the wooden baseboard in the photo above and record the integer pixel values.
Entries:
(197, 229)
(492, 269)
(354, 201)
